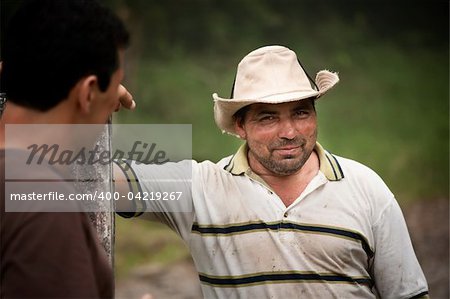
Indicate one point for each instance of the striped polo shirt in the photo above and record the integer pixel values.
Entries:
(343, 237)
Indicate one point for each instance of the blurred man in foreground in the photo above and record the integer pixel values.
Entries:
(284, 218)
(62, 64)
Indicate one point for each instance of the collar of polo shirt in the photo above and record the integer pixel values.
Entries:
(329, 166)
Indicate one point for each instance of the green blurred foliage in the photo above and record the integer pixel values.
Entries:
(390, 110)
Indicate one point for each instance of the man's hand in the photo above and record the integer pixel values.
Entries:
(125, 99)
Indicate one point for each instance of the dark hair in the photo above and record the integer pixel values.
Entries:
(239, 116)
(51, 44)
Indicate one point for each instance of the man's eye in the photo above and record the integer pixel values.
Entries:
(267, 118)
(301, 113)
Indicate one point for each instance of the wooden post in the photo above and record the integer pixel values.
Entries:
(103, 221)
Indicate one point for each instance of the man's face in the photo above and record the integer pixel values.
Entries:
(280, 137)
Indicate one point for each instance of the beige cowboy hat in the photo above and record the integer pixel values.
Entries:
(272, 75)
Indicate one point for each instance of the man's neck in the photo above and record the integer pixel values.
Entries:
(290, 187)
(15, 114)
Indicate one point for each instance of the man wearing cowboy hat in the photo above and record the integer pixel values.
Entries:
(284, 218)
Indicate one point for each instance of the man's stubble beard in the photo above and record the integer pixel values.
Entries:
(289, 164)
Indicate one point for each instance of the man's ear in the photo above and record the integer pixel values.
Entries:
(87, 88)
(239, 128)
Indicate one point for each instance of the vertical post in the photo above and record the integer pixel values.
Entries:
(104, 221)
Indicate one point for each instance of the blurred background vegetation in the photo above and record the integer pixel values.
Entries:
(390, 110)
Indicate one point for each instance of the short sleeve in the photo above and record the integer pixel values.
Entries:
(166, 193)
(396, 270)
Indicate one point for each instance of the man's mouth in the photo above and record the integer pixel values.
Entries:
(288, 150)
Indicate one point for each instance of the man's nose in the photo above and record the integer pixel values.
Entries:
(287, 129)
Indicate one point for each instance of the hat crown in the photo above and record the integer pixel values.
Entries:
(269, 71)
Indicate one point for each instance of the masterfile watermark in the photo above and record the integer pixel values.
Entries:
(141, 152)
(56, 168)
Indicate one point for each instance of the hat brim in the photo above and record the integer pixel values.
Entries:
(224, 109)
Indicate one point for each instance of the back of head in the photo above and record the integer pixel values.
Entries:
(50, 44)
